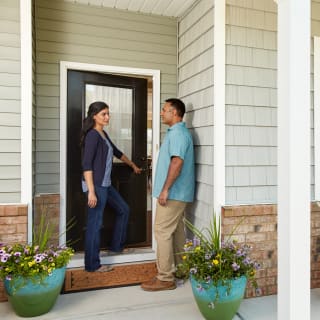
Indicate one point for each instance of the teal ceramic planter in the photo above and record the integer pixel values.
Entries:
(215, 302)
(32, 297)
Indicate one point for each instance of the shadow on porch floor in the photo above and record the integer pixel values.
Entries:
(132, 303)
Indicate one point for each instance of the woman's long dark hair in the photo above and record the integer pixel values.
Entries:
(88, 122)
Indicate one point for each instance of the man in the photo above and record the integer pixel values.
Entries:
(174, 188)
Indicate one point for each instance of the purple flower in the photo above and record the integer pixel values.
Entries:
(17, 254)
(207, 256)
(258, 292)
(196, 242)
(8, 277)
(193, 270)
(240, 253)
(257, 265)
(246, 261)
(235, 266)
(5, 257)
(39, 257)
(200, 288)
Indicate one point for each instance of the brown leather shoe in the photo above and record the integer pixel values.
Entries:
(157, 285)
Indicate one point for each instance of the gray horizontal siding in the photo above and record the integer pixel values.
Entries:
(315, 31)
(10, 133)
(88, 34)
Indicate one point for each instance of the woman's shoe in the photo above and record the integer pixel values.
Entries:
(104, 268)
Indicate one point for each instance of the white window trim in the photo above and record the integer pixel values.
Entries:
(26, 109)
(316, 110)
(155, 74)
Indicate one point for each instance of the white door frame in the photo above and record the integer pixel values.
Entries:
(155, 74)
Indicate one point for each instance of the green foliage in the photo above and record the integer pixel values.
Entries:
(209, 260)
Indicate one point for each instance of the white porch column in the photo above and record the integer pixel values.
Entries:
(26, 108)
(219, 71)
(294, 159)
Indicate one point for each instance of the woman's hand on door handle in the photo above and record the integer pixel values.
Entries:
(136, 169)
(131, 164)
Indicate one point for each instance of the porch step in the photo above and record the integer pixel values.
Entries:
(77, 279)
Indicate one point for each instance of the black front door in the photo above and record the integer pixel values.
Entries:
(127, 99)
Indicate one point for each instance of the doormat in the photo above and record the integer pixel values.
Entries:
(78, 279)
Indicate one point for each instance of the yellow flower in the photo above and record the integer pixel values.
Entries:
(31, 263)
(7, 269)
(215, 261)
(188, 244)
(52, 264)
(184, 257)
(198, 248)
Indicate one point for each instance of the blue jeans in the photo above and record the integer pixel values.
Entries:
(110, 196)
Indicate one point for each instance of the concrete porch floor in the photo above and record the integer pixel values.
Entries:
(130, 303)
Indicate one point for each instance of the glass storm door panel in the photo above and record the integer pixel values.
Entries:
(121, 106)
(127, 100)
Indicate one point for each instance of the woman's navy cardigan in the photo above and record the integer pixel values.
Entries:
(94, 155)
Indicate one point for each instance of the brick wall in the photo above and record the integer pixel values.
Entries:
(259, 229)
(13, 229)
(315, 245)
(48, 205)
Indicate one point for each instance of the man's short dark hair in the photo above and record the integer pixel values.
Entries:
(178, 105)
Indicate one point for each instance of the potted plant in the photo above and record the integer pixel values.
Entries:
(33, 274)
(218, 271)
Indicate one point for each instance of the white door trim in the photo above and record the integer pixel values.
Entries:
(155, 74)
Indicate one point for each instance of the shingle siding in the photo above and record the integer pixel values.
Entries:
(251, 115)
(195, 88)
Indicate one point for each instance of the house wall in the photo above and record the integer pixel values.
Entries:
(87, 34)
(33, 98)
(195, 88)
(315, 31)
(251, 101)
(10, 101)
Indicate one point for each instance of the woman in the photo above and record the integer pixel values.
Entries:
(97, 154)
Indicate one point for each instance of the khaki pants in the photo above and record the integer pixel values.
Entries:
(170, 237)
